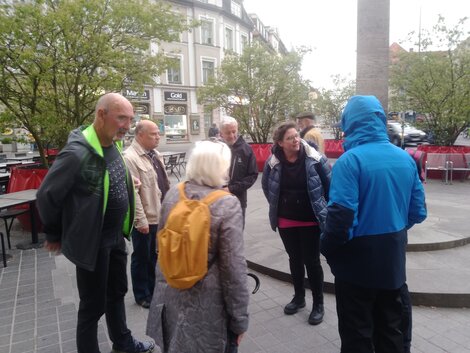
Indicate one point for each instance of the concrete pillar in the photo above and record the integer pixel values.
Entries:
(373, 27)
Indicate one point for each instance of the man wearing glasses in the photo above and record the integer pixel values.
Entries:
(86, 203)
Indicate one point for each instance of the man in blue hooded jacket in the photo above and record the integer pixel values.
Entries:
(375, 197)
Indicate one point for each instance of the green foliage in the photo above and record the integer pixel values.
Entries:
(330, 103)
(436, 83)
(58, 56)
(7, 140)
(258, 88)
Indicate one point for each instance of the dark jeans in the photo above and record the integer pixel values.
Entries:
(369, 320)
(143, 262)
(303, 247)
(101, 292)
(407, 318)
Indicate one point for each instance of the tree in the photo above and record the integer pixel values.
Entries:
(330, 103)
(258, 88)
(58, 56)
(436, 83)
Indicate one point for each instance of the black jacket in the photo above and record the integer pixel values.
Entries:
(243, 170)
(71, 199)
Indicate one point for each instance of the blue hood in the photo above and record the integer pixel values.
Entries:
(363, 121)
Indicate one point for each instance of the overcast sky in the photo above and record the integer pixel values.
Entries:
(328, 27)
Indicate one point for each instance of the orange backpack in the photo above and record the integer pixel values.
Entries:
(183, 243)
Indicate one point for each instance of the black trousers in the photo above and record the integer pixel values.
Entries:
(143, 262)
(101, 292)
(407, 317)
(303, 247)
(369, 320)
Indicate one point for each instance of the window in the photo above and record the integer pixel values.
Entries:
(243, 42)
(174, 71)
(207, 70)
(207, 31)
(236, 9)
(228, 38)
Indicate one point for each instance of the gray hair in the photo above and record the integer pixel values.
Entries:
(228, 120)
(208, 163)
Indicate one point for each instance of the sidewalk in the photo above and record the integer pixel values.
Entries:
(38, 305)
(39, 300)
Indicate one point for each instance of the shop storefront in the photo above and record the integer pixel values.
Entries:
(140, 101)
(175, 120)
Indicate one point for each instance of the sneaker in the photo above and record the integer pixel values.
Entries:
(136, 347)
(143, 303)
(316, 316)
(294, 306)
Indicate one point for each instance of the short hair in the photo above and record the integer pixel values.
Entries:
(228, 120)
(306, 115)
(208, 163)
(281, 130)
(143, 125)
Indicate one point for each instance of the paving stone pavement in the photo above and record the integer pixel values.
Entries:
(39, 300)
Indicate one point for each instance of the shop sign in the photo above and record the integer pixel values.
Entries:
(175, 109)
(131, 94)
(141, 108)
(176, 96)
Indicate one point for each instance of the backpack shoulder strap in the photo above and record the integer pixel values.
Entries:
(181, 191)
(214, 196)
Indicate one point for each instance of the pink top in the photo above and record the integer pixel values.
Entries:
(291, 223)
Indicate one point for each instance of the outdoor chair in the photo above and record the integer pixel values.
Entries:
(458, 162)
(8, 217)
(171, 165)
(4, 254)
(181, 162)
(437, 162)
(4, 180)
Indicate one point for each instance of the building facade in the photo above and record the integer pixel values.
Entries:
(172, 102)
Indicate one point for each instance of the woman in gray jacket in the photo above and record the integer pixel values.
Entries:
(201, 318)
(296, 179)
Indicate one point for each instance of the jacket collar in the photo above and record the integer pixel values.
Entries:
(140, 150)
(310, 152)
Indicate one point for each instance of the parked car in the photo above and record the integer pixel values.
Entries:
(411, 135)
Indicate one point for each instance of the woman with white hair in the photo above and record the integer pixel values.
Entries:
(207, 316)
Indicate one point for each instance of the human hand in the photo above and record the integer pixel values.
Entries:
(239, 338)
(53, 247)
(143, 230)
(137, 182)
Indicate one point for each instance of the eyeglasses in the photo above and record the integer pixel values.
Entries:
(292, 137)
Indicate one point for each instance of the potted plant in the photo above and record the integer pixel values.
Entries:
(8, 144)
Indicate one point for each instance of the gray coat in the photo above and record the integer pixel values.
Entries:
(195, 320)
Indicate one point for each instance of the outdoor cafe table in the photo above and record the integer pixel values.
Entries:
(20, 198)
(20, 159)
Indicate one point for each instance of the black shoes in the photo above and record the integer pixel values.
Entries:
(143, 303)
(136, 347)
(294, 306)
(316, 316)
